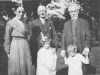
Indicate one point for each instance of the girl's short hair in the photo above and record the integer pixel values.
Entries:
(72, 48)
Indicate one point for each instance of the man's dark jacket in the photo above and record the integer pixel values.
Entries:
(83, 35)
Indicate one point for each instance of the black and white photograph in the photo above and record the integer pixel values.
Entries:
(49, 37)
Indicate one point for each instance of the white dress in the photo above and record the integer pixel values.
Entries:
(46, 56)
(75, 64)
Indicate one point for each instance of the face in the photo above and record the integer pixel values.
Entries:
(74, 14)
(47, 45)
(19, 12)
(71, 53)
(42, 13)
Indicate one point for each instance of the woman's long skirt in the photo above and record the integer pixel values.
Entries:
(19, 62)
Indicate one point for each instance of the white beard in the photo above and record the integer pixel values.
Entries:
(74, 18)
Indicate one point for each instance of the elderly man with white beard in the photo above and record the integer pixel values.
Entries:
(76, 31)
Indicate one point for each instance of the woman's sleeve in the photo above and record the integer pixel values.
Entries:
(7, 38)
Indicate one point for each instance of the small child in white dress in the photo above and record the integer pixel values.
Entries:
(75, 60)
(46, 59)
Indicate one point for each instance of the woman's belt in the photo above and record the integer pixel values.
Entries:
(19, 38)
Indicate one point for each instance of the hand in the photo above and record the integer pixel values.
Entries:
(85, 51)
(62, 53)
(8, 55)
(86, 54)
(42, 36)
(50, 71)
(54, 50)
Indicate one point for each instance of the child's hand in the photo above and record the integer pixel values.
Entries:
(8, 55)
(86, 51)
(86, 54)
(62, 53)
(51, 71)
(54, 50)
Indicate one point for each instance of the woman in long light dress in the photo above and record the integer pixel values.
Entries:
(16, 45)
(46, 60)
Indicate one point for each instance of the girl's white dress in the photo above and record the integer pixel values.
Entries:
(46, 56)
(75, 64)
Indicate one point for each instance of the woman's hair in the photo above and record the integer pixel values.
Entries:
(72, 48)
(15, 6)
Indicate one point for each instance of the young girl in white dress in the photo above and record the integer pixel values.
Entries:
(75, 60)
(46, 59)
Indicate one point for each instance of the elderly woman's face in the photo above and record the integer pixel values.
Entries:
(19, 12)
(74, 14)
(42, 13)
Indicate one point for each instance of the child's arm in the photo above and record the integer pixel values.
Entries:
(54, 65)
(85, 59)
(46, 66)
(66, 60)
(41, 59)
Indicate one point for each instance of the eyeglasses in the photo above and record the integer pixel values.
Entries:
(73, 11)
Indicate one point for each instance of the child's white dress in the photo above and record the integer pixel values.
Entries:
(47, 57)
(75, 64)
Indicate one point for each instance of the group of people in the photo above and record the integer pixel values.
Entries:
(36, 44)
